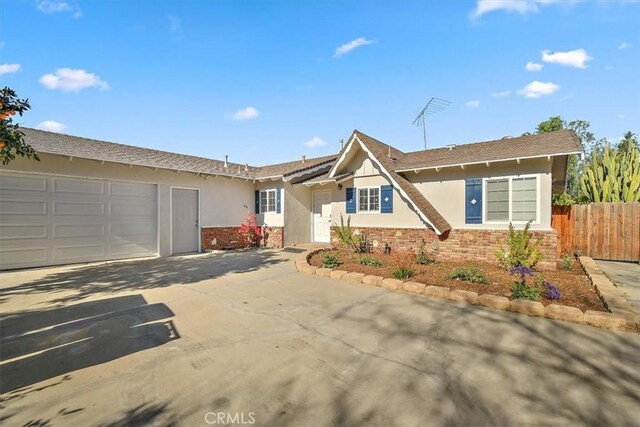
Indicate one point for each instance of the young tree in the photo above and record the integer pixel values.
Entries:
(581, 128)
(12, 142)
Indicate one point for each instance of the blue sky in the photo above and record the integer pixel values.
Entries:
(267, 81)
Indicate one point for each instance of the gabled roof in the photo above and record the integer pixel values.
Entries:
(388, 157)
(562, 142)
(93, 149)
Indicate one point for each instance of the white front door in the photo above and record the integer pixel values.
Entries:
(322, 216)
(185, 229)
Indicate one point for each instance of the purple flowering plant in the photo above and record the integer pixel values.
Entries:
(521, 271)
(551, 291)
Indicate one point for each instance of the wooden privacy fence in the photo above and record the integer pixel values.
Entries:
(609, 231)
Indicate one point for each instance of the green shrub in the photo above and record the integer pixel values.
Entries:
(520, 289)
(370, 261)
(403, 272)
(523, 291)
(469, 274)
(566, 263)
(330, 261)
(423, 257)
(347, 235)
(521, 250)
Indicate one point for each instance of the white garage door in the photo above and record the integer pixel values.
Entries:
(48, 220)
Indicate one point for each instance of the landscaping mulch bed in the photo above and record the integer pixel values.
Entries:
(575, 288)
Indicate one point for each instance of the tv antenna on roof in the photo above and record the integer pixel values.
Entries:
(433, 106)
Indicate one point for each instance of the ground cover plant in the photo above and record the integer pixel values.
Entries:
(567, 287)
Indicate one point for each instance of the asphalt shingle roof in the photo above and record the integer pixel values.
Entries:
(93, 149)
(545, 144)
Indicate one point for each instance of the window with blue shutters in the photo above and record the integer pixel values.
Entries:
(351, 200)
(386, 199)
(473, 201)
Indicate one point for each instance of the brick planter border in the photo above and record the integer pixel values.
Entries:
(617, 320)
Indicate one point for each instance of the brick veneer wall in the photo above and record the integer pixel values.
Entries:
(228, 238)
(456, 245)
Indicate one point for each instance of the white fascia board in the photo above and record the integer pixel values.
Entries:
(437, 168)
(302, 173)
(397, 187)
(332, 173)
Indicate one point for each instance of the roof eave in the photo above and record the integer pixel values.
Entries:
(511, 159)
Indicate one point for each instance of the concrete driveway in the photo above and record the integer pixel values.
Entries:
(244, 337)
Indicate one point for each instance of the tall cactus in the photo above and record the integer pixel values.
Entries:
(612, 176)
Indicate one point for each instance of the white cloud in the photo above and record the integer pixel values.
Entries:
(51, 126)
(315, 142)
(72, 80)
(537, 89)
(503, 94)
(472, 104)
(348, 47)
(51, 6)
(527, 6)
(518, 6)
(573, 58)
(625, 45)
(9, 68)
(245, 114)
(533, 66)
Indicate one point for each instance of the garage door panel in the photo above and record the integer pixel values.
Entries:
(126, 189)
(78, 208)
(85, 230)
(133, 229)
(86, 252)
(48, 220)
(19, 183)
(132, 209)
(22, 231)
(131, 249)
(27, 257)
(20, 207)
(76, 186)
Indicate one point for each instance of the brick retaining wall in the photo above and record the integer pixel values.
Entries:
(456, 245)
(228, 238)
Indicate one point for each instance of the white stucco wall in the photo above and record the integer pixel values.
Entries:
(222, 200)
(367, 175)
(270, 219)
(446, 189)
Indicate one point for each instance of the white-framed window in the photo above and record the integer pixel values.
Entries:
(512, 199)
(267, 201)
(369, 199)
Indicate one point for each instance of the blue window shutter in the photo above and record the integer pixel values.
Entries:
(257, 201)
(278, 199)
(386, 199)
(473, 201)
(351, 200)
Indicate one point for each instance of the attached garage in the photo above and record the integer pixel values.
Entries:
(54, 219)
